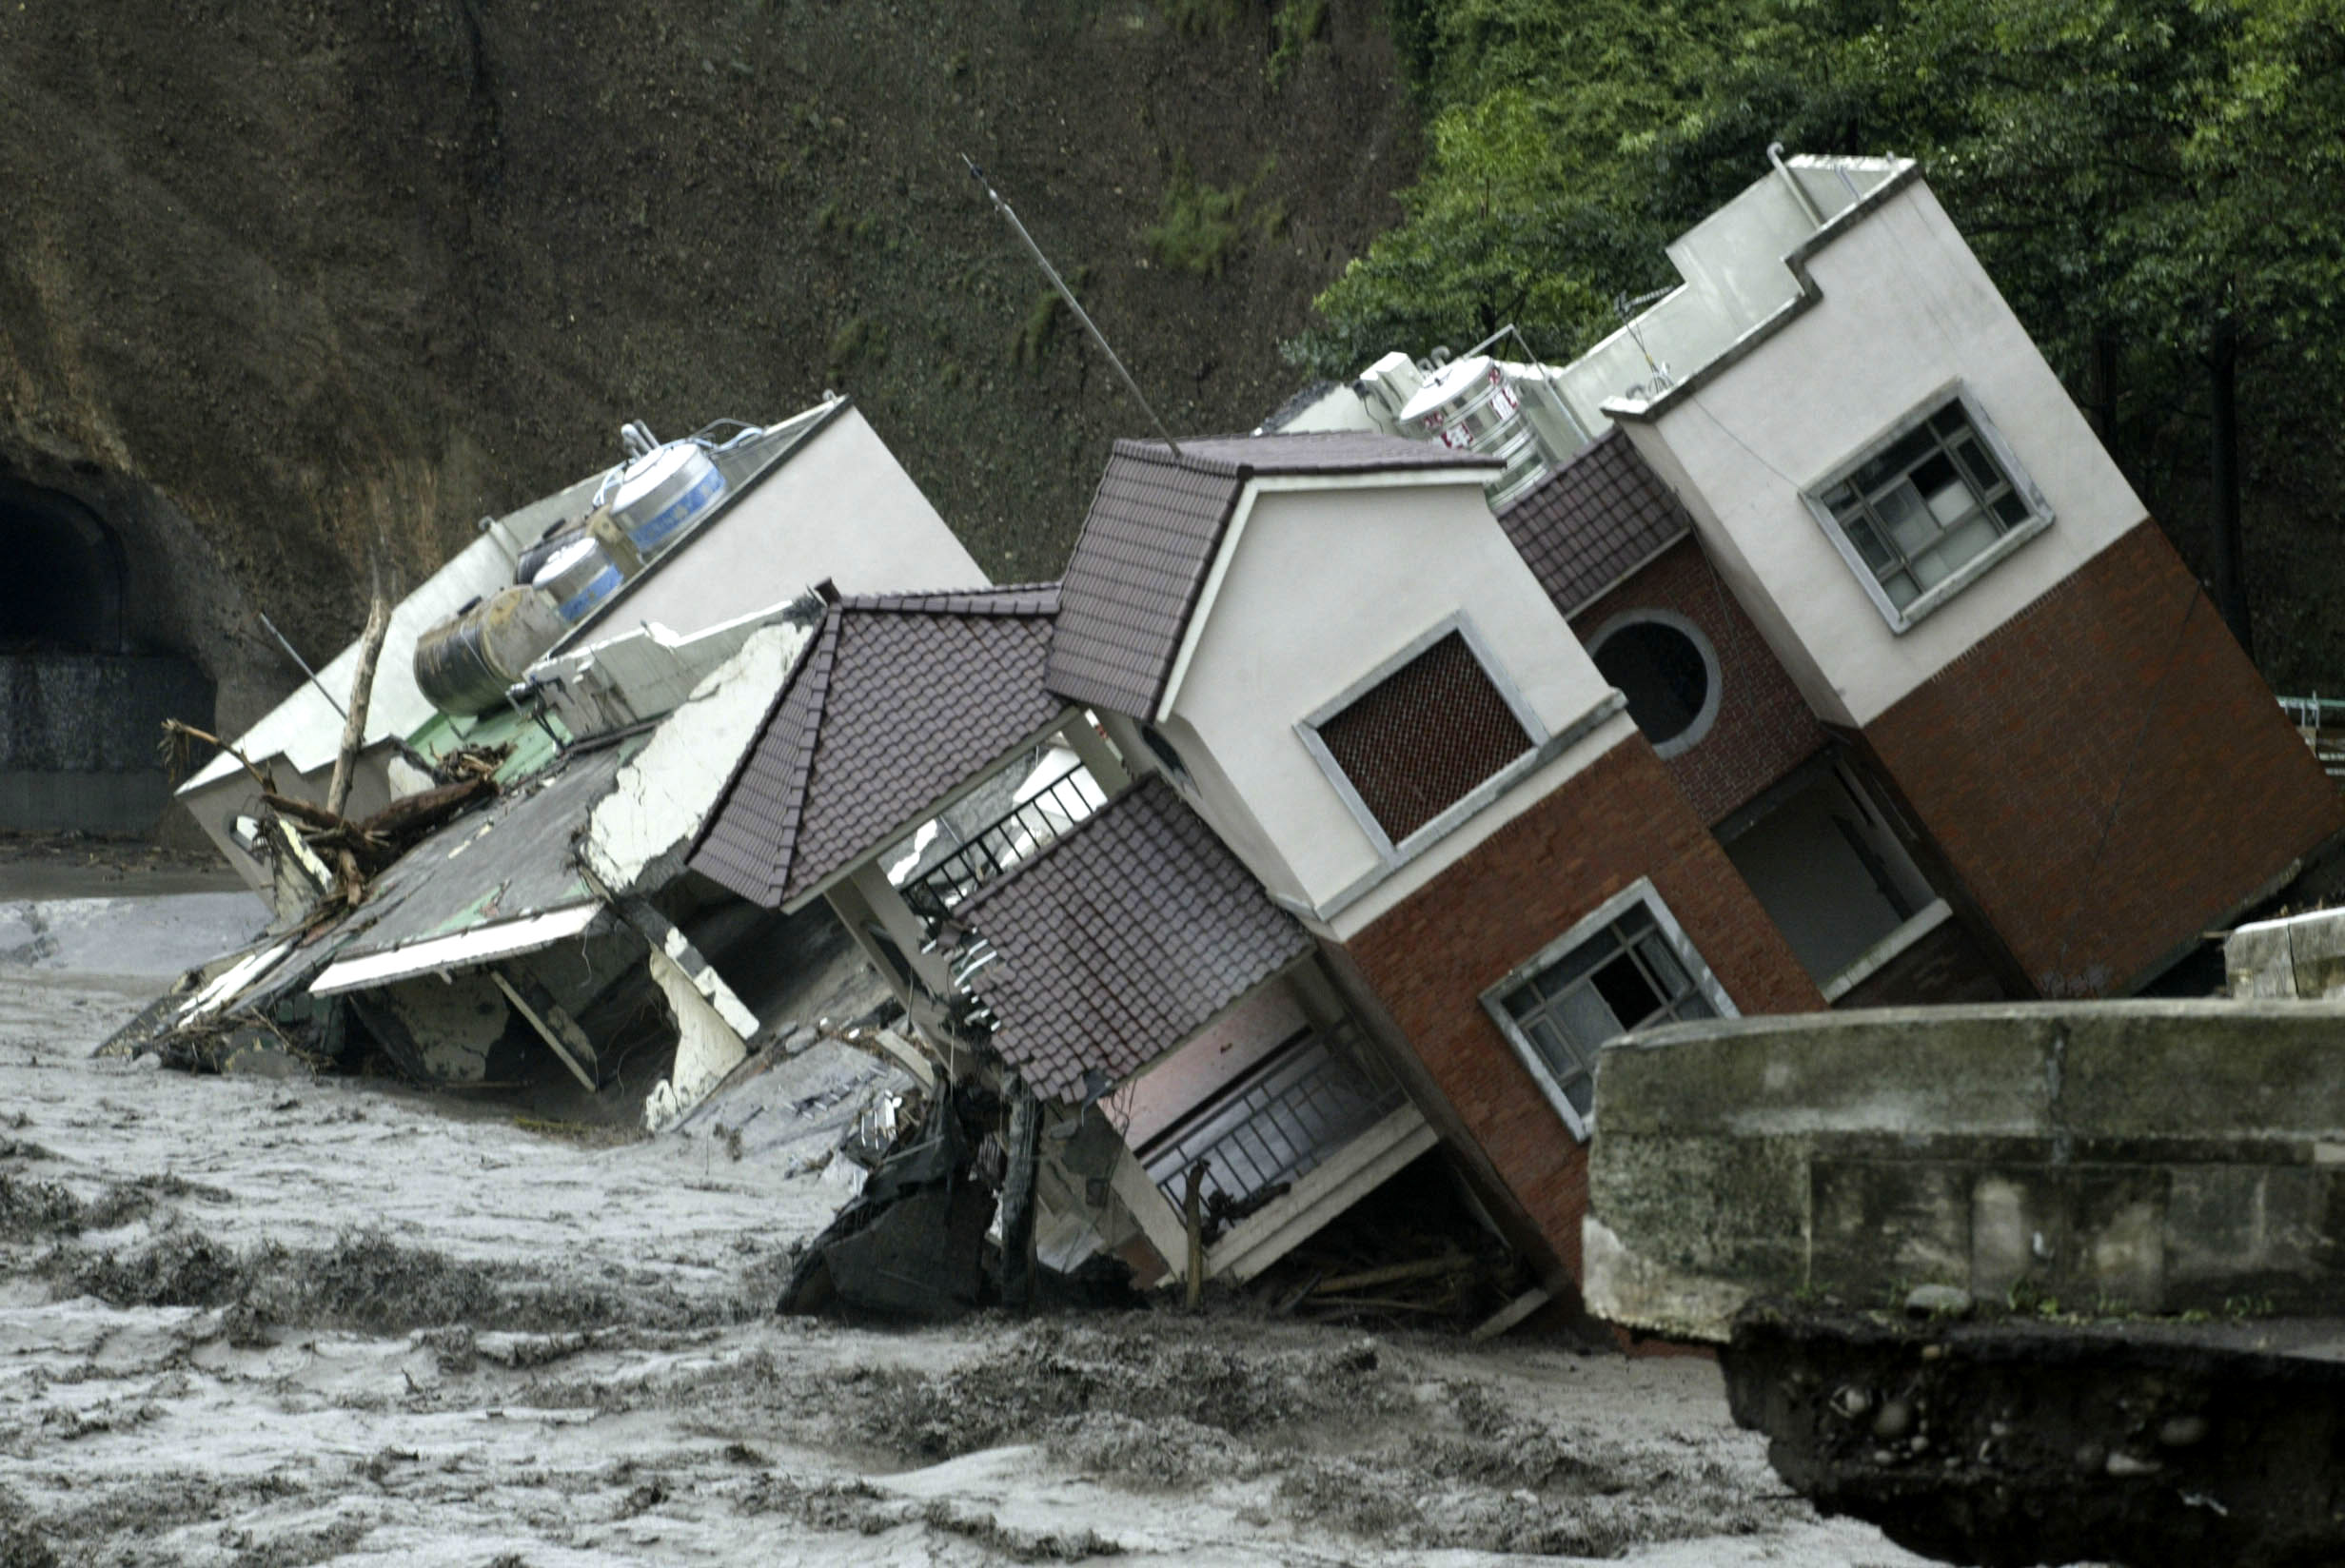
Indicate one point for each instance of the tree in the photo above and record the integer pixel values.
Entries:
(2156, 185)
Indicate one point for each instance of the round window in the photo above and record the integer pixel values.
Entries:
(1666, 671)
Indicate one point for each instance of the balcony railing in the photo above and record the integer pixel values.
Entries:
(1312, 1097)
(1018, 834)
(2321, 721)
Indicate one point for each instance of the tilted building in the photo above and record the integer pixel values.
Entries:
(1820, 657)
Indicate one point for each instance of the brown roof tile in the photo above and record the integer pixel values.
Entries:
(1597, 518)
(1154, 525)
(1121, 940)
(900, 698)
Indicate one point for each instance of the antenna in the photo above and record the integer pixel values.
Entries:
(1067, 294)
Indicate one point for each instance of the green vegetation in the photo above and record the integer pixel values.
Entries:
(2156, 186)
(1034, 336)
(1294, 23)
(1199, 225)
(857, 339)
(1199, 18)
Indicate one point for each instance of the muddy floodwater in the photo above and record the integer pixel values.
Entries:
(285, 1322)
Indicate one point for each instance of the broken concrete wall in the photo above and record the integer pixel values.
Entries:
(638, 834)
(2146, 1156)
(2301, 957)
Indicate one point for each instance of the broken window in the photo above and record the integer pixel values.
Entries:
(1626, 966)
(1923, 512)
(1421, 739)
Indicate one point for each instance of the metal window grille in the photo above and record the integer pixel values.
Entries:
(1627, 976)
(1420, 740)
(1308, 1099)
(1935, 498)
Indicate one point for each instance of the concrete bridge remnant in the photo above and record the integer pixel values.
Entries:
(2017, 1283)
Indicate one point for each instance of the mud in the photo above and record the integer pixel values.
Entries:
(268, 1323)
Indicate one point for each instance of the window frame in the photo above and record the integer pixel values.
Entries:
(1394, 855)
(1699, 729)
(2040, 515)
(1587, 929)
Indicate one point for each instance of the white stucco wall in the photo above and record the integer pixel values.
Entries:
(1322, 586)
(839, 507)
(1904, 311)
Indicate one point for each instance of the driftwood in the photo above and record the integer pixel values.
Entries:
(175, 738)
(301, 810)
(362, 693)
(413, 814)
(1453, 1263)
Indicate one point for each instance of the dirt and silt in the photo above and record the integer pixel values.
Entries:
(285, 1321)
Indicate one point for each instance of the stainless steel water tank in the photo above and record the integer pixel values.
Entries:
(578, 577)
(463, 664)
(661, 494)
(1471, 405)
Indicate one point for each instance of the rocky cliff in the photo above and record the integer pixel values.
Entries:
(291, 286)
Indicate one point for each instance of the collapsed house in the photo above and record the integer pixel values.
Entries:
(552, 715)
(1815, 654)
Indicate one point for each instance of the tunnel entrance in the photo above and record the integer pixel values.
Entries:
(82, 703)
(60, 584)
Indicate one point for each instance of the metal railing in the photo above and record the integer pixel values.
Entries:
(2321, 721)
(1312, 1097)
(1018, 834)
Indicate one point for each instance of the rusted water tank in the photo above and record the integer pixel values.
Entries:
(465, 664)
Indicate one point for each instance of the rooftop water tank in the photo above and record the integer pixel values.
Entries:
(653, 497)
(1472, 406)
(465, 664)
(577, 576)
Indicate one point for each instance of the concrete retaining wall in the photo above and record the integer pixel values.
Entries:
(2141, 1156)
(78, 737)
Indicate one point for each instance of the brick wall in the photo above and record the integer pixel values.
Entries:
(1764, 728)
(2106, 772)
(1429, 959)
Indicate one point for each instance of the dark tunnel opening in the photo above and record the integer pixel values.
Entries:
(61, 590)
(83, 687)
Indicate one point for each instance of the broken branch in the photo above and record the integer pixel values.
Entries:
(174, 731)
(362, 693)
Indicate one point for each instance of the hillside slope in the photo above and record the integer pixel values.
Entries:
(287, 285)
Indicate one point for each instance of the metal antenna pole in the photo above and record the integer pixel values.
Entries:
(1067, 294)
(303, 662)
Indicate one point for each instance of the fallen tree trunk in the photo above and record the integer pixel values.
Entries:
(362, 693)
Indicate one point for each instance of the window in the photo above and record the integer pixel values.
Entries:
(1426, 735)
(1921, 514)
(1666, 667)
(1627, 967)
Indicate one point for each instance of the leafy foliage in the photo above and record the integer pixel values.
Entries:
(1294, 23)
(2143, 167)
(2142, 179)
(1199, 225)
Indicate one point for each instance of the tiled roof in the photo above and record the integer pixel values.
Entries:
(1121, 940)
(899, 699)
(1151, 536)
(1596, 520)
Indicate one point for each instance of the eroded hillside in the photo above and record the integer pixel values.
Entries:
(286, 285)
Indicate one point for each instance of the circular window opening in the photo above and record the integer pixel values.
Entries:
(1664, 667)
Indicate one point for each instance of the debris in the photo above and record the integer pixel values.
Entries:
(1509, 1315)
(912, 1243)
(1937, 1301)
(362, 693)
